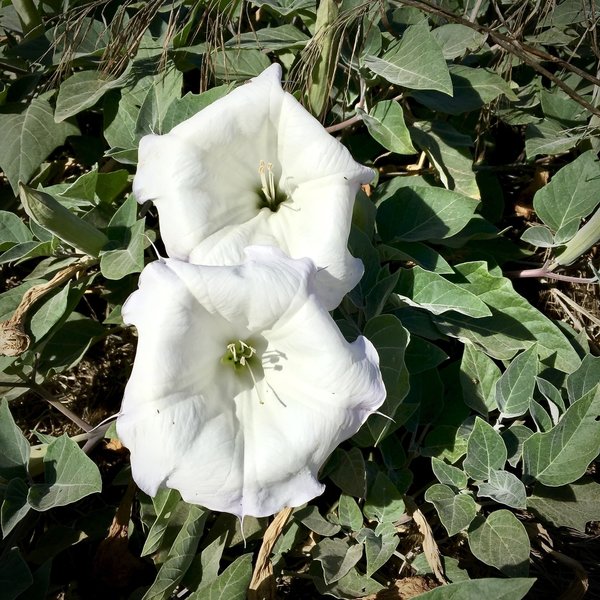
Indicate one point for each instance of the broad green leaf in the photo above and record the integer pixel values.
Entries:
(416, 214)
(352, 585)
(455, 39)
(562, 455)
(311, 517)
(283, 37)
(12, 230)
(49, 313)
(514, 389)
(337, 557)
(473, 88)
(14, 455)
(434, 293)
(571, 194)
(349, 473)
(164, 503)
(478, 377)
(416, 62)
(551, 393)
(390, 339)
(379, 547)
(422, 355)
(287, 7)
(449, 151)
(349, 514)
(417, 252)
(456, 511)
(385, 122)
(15, 576)
(69, 476)
(476, 589)
(549, 137)
(180, 555)
(446, 443)
(485, 451)
(557, 105)
(14, 506)
(239, 65)
(540, 416)
(539, 236)
(116, 264)
(572, 505)
(514, 325)
(514, 437)
(231, 584)
(585, 378)
(448, 474)
(504, 488)
(182, 109)
(210, 560)
(82, 90)
(384, 502)
(502, 542)
(53, 216)
(452, 570)
(33, 134)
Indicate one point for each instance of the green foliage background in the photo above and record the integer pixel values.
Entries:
(491, 427)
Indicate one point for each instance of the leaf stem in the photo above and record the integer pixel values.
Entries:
(545, 272)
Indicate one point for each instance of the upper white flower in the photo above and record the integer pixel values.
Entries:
(255, 168)
(242, 383)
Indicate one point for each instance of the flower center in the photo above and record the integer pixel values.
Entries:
(239, 355)
(270, 195)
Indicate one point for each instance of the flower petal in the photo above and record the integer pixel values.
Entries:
(245, 445)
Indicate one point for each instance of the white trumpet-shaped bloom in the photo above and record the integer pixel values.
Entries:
(242, 383)
(255, 168)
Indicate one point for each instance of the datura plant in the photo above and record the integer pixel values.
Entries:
(255, 168)
(246, 381)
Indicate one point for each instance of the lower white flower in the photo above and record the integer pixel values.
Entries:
(242, 384)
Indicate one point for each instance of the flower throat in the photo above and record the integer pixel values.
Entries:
(269, 194)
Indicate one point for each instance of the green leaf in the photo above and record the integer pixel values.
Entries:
(180, 555)
(449, 151)
(416, 62)
(478, 377)
(456, 511)
(571, 195)
(514, 438)
(231, 584)
(384, 502)
(349, 473)
(452, 570)
(473, 88)
(502, 542)
(540, 416)
(33, 134)
(514, 389)
(283, 37)
(485, 451)
(182, 109)
(475, 589)
(12, 230)
(116, 264)
(446, 443)
(239, 65)
(422, 355)
(504, 488)
(156, 102)
(69, 476)
(549, 137)
(390, 339)
(539, 236)
(585, 378)
(434, 293)
(379, 547)
(420, 213)
(82, 90)
(53, 216)
(386, 125)
(288, 7)
(448, 475)
(49, 313)
(14, 456)
(455, 39)
(349, 514)
(15, 506)
(311, 517)
(562, 455)
(337, 557)
(514, 325)
(15, 576)
(210, 560)
(572, 505)
(164, 503)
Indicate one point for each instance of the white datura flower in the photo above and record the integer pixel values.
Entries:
(255, 168)
(242, 383)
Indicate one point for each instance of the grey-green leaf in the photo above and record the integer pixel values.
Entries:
(349, 473)
(384, 502)
(164, 503)
(485, 451)
(69, 476)
(478, 377)
(455, 39)
(502, 542)
(337, 557)
(385, 122)
(539, 235)
(311, 518)
(231, 584)
(349, 513)
(15, 576)
(514, 389)
(12, 230)
(505, 488)
(562, 455)
(33, 134)
(475, 589)
(15, 447)
(456, 511)
(416, 62)
(379, 547)
(585, 378)
(448, 474)
(15, 506)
